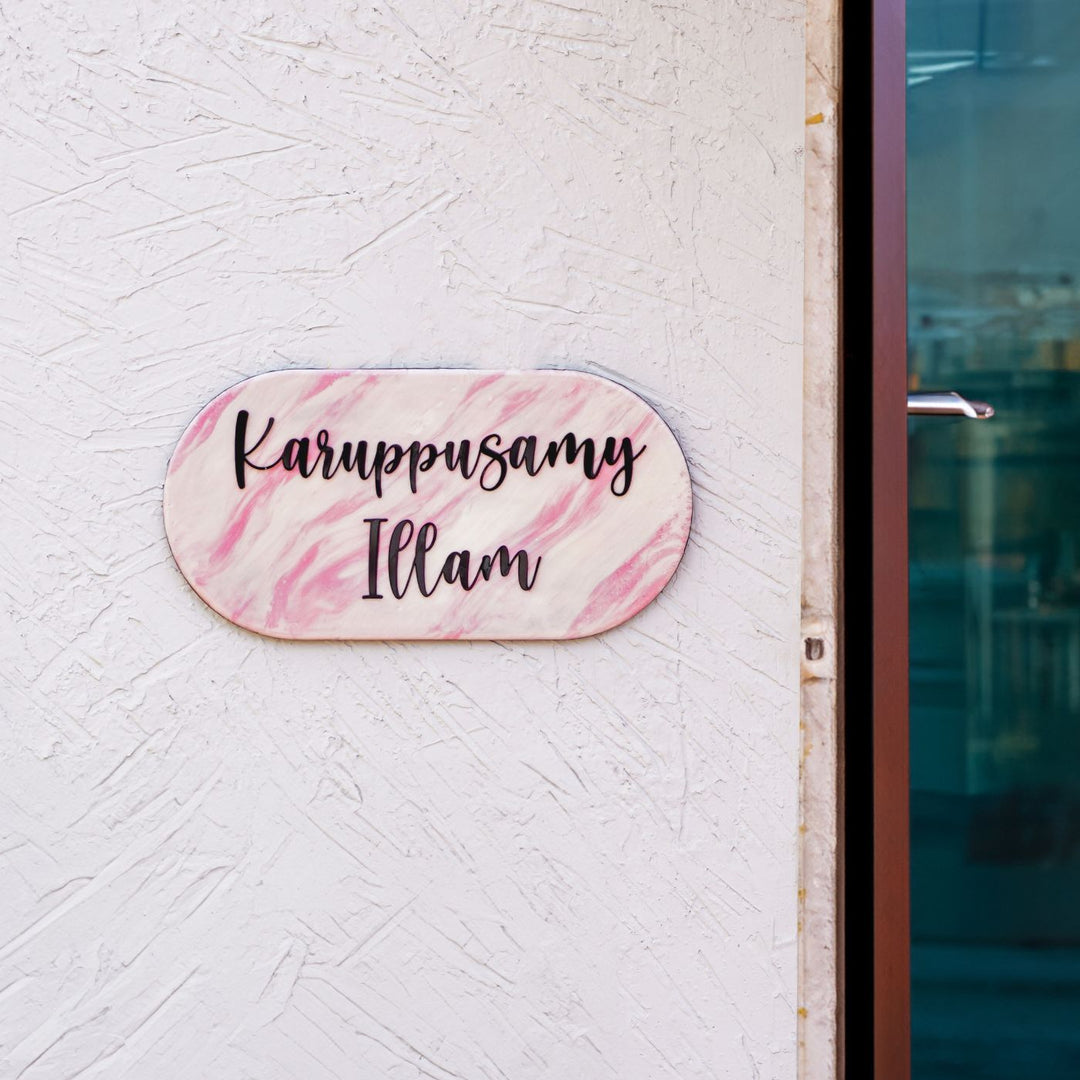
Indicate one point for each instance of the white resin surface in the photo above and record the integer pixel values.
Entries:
(406, 505)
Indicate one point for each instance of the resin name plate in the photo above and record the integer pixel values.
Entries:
(427, 504)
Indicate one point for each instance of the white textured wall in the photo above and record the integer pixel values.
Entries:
(228, 857)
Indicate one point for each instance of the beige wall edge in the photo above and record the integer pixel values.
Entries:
(819, 968)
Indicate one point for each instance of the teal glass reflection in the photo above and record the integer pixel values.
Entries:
(994, 312)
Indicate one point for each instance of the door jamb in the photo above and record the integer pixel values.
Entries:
(875, 889)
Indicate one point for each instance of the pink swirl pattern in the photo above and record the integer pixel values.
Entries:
(288, 555)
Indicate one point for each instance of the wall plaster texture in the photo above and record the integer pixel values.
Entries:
(230, 857)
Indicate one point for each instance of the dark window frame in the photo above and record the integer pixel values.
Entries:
(874, 886)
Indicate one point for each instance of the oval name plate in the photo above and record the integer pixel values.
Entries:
(427, 504)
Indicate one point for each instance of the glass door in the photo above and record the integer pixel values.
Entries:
(994, 532)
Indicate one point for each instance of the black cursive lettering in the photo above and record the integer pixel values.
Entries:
(493, 459)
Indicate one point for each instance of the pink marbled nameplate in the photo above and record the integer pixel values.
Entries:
(425, 504)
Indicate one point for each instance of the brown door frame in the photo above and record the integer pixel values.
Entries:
(875, 890)
(892, 932)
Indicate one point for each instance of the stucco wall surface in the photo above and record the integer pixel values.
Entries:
(230, 857)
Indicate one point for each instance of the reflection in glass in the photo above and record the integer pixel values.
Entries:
(994, 312)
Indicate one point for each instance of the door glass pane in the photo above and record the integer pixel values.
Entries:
(994, 312)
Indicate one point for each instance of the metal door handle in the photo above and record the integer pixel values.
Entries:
(947, 403)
